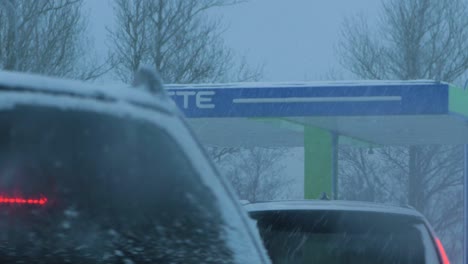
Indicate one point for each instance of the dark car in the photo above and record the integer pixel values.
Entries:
(95, 174)
(345, 232)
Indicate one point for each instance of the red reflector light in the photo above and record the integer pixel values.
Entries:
(17, 200)
(442, 253)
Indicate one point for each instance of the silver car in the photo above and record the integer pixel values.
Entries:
(296, 232)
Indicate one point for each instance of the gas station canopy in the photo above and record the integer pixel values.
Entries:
(378, 112)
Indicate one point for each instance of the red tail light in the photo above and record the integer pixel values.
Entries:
(442, 253)
(19, 200)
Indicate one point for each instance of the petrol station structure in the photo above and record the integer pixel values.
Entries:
(321, 115)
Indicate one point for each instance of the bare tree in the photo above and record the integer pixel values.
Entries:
(362, 173)
(219, 154)
(383, 175)
(46, 37)
(176, 37)
(415, 39)
(257, 173)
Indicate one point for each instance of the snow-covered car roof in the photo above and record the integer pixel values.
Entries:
(332, 205)
(23, 82)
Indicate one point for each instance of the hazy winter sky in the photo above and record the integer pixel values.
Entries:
(294, 38)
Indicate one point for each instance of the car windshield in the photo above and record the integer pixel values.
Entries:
(85, 187)
(345, 237)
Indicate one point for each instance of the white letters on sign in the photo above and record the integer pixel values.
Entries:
(203, 99)
(186, 95)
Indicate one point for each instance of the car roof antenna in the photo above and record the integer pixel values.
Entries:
(324, 196)
(147, 77)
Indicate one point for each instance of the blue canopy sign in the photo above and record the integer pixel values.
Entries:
(310, 100)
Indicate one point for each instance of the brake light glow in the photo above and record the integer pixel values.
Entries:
(19, 200)
(442, 253)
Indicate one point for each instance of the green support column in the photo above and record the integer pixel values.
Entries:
(458, 99)
(320, 163)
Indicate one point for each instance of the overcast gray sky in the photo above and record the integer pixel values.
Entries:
(294, 38)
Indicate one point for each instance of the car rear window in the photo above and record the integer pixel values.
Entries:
(344, 237)
(84, 187)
